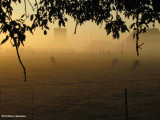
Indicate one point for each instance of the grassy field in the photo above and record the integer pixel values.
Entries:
(80, 86)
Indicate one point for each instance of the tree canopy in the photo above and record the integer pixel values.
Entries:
(108, 12)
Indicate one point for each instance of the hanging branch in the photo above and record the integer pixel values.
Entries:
(137, 26)
(12, 43)
(139, 46)
(17, 50)
(137, 35)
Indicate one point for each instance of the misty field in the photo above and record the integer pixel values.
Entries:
(79, 87)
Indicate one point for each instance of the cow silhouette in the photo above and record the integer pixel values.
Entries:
(115, 62)
(53, 60)
(135, 64)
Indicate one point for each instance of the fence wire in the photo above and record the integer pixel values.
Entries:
(83, 100)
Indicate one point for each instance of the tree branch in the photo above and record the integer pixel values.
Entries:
(24, 69)
(31, 5)
(137, 34)
(76, 27)
(25, 7)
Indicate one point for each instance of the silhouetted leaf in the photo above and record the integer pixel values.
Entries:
(31, 17)
(132, 25)
(19, 1)
(7, 37)
(22, 15)
(45, 32)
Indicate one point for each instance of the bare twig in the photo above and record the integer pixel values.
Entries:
(31, 5)
(26, 18)
(139, 48)
(25, 7)
(11, 42)
(141, 44)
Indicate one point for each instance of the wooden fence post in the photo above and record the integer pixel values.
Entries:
(0, 103)
(126, 104)
(32, 102)
(62, 112)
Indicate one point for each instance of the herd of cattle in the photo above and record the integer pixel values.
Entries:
(134, 65)
(115, 61)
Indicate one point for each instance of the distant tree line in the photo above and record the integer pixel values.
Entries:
(108, 12)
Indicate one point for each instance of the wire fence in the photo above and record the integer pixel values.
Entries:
(108, 100)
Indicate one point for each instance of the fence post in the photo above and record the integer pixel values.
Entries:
(126, 104)
(89, 97)
(0, 103)
(32, 101)
(62, 101)
(89, 101)
(113, 92)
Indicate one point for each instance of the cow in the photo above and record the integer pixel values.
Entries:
(114, 62)
(53, 60)
(135, 64)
